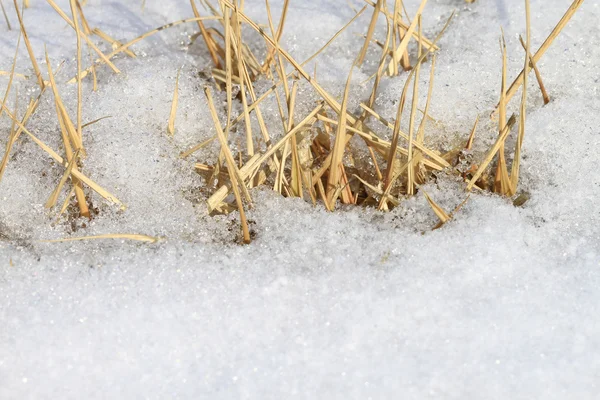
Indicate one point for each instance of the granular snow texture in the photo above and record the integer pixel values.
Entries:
(501, 303)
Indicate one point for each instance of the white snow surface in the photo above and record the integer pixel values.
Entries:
(501, 303)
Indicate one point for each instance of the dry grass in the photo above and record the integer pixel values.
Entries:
(171, 124)
(5, 16)
(121, 236)
(314, 158)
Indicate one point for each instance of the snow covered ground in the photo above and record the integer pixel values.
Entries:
(501, 303)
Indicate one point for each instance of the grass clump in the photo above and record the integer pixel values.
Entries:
(312, 157)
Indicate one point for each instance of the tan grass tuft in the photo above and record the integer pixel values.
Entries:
(331, 153)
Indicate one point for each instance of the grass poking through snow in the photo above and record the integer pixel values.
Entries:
(314, 155)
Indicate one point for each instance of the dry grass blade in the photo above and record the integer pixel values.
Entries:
(514, 173)
(5, 16)
(469, 144)
(335, 36)
(296, 179)
(381, 68)
(13, 138)
(400, 32)
(370, 31)
(443, 221)
(242, 72)
(127, 236)
(34, 63)
(171, 125)
(78, 34)
(538, 74)
(94, 76)
(397, 173)
(280, 177)
(229, 91)
(13, 131)
(221, 76)
(281, 184)
(54, 196)
(282, 18)
(84, 23)
(502, 180)
(12, 74)
(246, 113)
(234, 174)
(279, 64)
(376, 164)
(277, 34)
(492, 152)
(94, 121)
(197, 147)
(247, 119)
(16, 74)
(210, 44)
(334, 178)
(66, 202)
(413, 111)
(228, 68)
(389, 172)
(421, 131)
(439, 211)
(62, 112)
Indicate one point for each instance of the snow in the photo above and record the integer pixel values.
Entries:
(498, 304)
